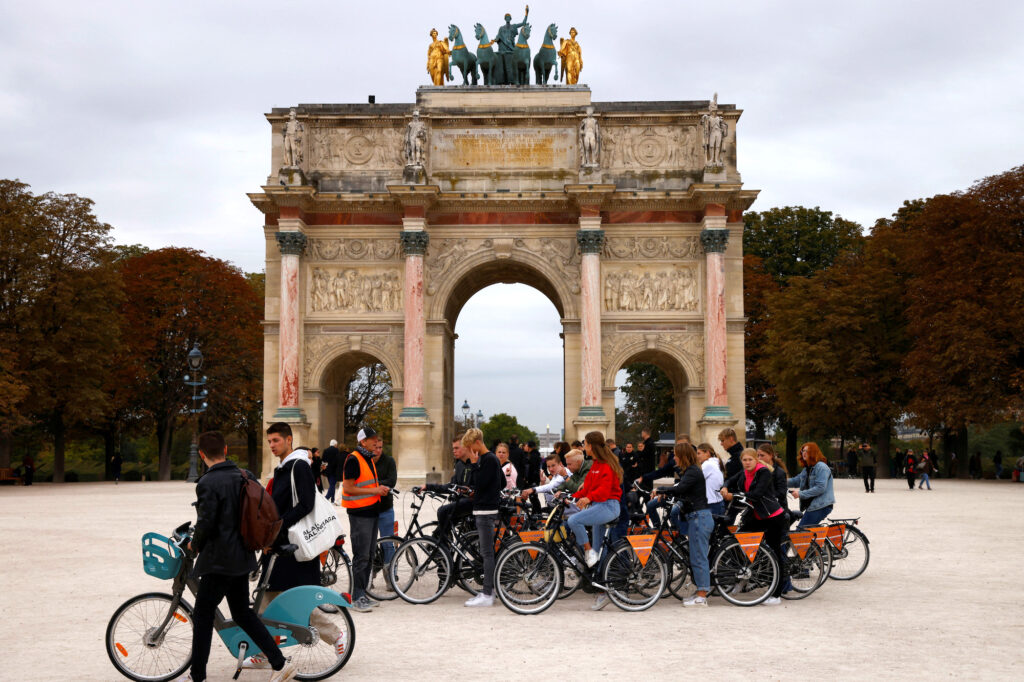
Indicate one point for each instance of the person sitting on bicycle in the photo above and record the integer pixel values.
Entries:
(766, 454)
(557, 472)
(691, 489)
(224, 564)
(813, 486)
(755, 480)
(667, 469)
(598, 499)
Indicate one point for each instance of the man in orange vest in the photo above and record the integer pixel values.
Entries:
(360, 495)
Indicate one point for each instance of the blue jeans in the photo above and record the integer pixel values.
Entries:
(716, 508)
(386, 527)
(332, 481)
(700, 525)
(813, 518)
(622, 527)
(925, 481)
(677, 518)
(597, 514)
(652, 511)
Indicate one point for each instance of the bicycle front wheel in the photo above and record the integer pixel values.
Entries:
(634, 585)
(141, 647)
(320, 658)
(741, 581)
(421, 570)
(527, 578)
(384, 550)
(852, 560)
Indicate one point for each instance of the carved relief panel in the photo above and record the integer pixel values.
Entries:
(640, 147)
(669, 248)
(446, 253)
(317, 347)
(688, 345)
(352, 249)
(339, 149)
(355, 291)
(645, 288)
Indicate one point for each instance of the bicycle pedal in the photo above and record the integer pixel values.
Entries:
(242, 648)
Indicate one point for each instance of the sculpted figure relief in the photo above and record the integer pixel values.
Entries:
(715, 130)
(572, 58)
(506, 39)
(437, 59)
(415, 140)
(590, 140)
(629, 291)
(675, 248)
(292, 134)
(350, 291)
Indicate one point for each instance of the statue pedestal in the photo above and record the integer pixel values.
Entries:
(714, 420)
(412, 436)
(590, 173)
(291, 176)
(414, 174)
(715, 174)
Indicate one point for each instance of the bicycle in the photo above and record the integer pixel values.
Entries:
(848, 548)
(528, 575)
(149, 637)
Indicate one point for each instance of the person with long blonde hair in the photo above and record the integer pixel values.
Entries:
(813, 486)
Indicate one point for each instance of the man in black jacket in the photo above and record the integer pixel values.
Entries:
(650, 452)
(533, 465)
(486, 498)
(224, 564)
(727, 437)
(330, 466)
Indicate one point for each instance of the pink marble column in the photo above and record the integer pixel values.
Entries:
(292, 245)
(414, 245)
(715, 241)
(591, 241)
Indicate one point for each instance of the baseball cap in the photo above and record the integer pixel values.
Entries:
(366, 432)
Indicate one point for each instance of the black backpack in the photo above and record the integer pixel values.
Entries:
(258, 518)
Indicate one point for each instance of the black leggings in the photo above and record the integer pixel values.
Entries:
(774, 530)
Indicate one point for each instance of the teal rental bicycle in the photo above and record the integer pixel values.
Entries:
(149, 637)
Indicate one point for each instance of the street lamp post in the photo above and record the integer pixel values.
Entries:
(479, 417)
(465, 413)
(194, 363)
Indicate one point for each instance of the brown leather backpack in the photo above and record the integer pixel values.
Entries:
(260, 523)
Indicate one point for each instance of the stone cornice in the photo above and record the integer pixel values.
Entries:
(410, 196)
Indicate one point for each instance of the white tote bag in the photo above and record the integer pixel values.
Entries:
(315, 532)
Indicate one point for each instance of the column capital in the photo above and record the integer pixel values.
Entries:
(291, 243)
(414, 242)
(590, 240)
(714, 240)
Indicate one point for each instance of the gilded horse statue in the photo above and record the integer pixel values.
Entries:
(490, 65)
(461, 57)
(521, 63)
(546, 57)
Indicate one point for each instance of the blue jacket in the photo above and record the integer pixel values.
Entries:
(818, 490)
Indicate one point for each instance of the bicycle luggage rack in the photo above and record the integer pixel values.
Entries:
(161, 558)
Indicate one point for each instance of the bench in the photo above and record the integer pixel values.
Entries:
(7, 475)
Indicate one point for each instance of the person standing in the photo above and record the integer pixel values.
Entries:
(997, 461)
(867, 467)
(910, 468)
(517, 456)
(650, 451)
(851, 462)
(28, 469)
(317, 465)
(814, 487)
(630, 466)
(361, 494)
(387, 473)
(533, 467)
(727, 437)
(115, 467)
(224, 564)
(330, 467)
(486, 498)
(508, 469)
(926, 468)
(714, 477)
(692, 491)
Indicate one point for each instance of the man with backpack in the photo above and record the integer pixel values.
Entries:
(224, 562)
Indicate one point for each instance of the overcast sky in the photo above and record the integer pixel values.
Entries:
(155, 111)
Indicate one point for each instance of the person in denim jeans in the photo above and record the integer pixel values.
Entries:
(693, 502)
(813, 486)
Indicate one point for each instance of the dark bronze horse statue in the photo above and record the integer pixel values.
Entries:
(461, 57)
(486, 59)
(546, 57)
(521, 62)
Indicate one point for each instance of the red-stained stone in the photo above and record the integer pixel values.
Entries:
(629, 217)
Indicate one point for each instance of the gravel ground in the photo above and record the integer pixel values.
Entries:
(941, 598)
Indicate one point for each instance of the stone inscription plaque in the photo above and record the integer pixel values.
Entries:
(489, 149)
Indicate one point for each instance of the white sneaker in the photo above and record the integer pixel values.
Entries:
(772, 601)
(592, 557)
(601, 602)
(339, 645)
(284, 674)
(258, 662)
(481, 600)
(695, 601)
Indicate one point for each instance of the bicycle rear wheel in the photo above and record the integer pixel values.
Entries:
(336, 572)
(805, 575)
(527, 578)
(634, 585)
(852, 560)
(421, 570)
(319, 659)
(379, 587)
(741, 581)
(135, 647)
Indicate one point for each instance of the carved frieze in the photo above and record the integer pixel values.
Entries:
(353, 249)
(640, 147)
(446, 254)
(689, 345)
(563, 253)
(338, 149)
(674, 248)
(318, 347)
(350, 290)
(643, 289)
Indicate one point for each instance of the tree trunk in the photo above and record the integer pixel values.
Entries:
(884, 459)
(5, 450)
(792, 433)
(57, 423)
(164, 433)
(252, 442)
(109, 449)
(960, 448)
(759, 429)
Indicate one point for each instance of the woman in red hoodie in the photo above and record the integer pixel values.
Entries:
(598, 499)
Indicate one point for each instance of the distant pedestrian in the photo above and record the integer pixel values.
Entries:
(910, 468)
(926, 468)
(316, 465)
(28, 469)
(517, 456)
(507, 468)
(851, 463)
(896, 464)
(329, 467)
(533, 468)
(867, 467)
(998, 462)
(974, 466)
(115, 467)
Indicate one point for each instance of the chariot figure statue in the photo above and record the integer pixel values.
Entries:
(292, 134)
(506, 39)
(437, 58)
(572, 58)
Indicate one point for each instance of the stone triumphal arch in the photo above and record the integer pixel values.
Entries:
(382, 220)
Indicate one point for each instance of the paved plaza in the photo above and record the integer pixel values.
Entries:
(942, 597)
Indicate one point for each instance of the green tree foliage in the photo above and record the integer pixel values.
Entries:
(650, 398)
(502, 426)
(368, 400)
(762, 406)
(59, 312)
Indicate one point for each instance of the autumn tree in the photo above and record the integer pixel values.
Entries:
(368, 399)
(59, 316)
(650, 398)
(176, 297)
(762, 402)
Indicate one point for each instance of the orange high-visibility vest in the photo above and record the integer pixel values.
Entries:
(367, 479)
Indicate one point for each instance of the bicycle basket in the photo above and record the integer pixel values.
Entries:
(161, 558)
